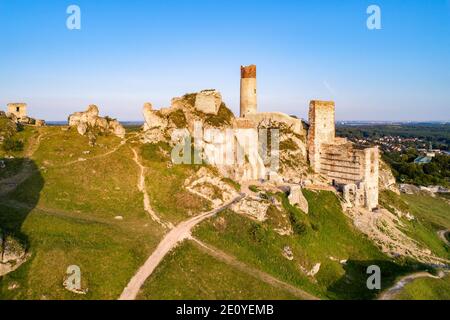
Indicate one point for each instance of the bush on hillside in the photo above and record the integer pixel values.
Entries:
(12, 144)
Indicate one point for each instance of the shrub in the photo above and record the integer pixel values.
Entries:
(178, 118)
(256, 232)
(233, 183)
(189, 98)
(224, 117)
(299, 220)
(12, 144)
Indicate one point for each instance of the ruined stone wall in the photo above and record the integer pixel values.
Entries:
(371, 176)
(357, 168)
(321, 129)
(296, 125)
(341, 163)
(248, 90)
(18, 109)
(208, 101)
(338, 160)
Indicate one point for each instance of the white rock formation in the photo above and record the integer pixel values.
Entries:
(253, 207)
(209, 186)
(208, 101)
(296, 198)
(90, 118)
(12, 254)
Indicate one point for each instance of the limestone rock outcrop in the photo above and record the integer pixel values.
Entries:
(12, 254)
(155, 124)
(210, 187)
(90, 120)
(17, 112)
(296, 198)
(252, 207)
(8, 127)
(386, 178)
(208, 101)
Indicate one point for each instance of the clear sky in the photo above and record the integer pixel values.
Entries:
(132, 51)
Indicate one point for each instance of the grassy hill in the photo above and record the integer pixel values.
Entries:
(66, 212)
(81, 205)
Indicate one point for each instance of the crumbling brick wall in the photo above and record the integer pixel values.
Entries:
(18, 109)
(321, 129)
(339, 160)
(248, 103)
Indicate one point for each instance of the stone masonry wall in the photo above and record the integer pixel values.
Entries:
(18, 109)
(321, 129)
(338, 160)
(248, 90)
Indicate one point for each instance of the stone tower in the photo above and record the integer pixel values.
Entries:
(321, 129)
(248, 90)
(18, 109)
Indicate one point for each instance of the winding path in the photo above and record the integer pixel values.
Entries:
(9, 184)
(442, 235)
(392, 292)
(115, 149)
(258, 274)
(141, 186)
(179, 233)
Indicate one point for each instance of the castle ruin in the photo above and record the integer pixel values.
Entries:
(18, 113)
(352, 170)
(248, 90)
(19, 110)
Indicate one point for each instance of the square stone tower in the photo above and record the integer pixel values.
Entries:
(18, 109)
(248, 90)
(321, 129)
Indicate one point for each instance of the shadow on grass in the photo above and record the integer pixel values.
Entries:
(19, 195)
(353, 285)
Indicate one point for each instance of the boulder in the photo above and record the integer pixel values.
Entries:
(117, 128)
(90, 118)
(296, 198)
(208, 101)
(12, 254)
(82, 128)
(40, 123)
(12, 116)
(153, 118)
(386, 178)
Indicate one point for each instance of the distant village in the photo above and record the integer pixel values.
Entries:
(401, 144)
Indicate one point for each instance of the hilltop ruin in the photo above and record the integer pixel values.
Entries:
(18, 113)
(332, 160)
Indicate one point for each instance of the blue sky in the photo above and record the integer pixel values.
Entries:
(132, 51)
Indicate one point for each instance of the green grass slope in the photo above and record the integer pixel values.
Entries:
(426, 289)
(66, 211)
(327, 236)
(188, 273)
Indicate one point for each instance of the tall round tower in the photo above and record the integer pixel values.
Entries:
(248, 90)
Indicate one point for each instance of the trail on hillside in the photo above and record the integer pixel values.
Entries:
(384, 229)
(265, 277)
(54, 212)
(103, 155)
(393, 291)
(142, 188)
(179, 233)
(442, 236)
(9, 184)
